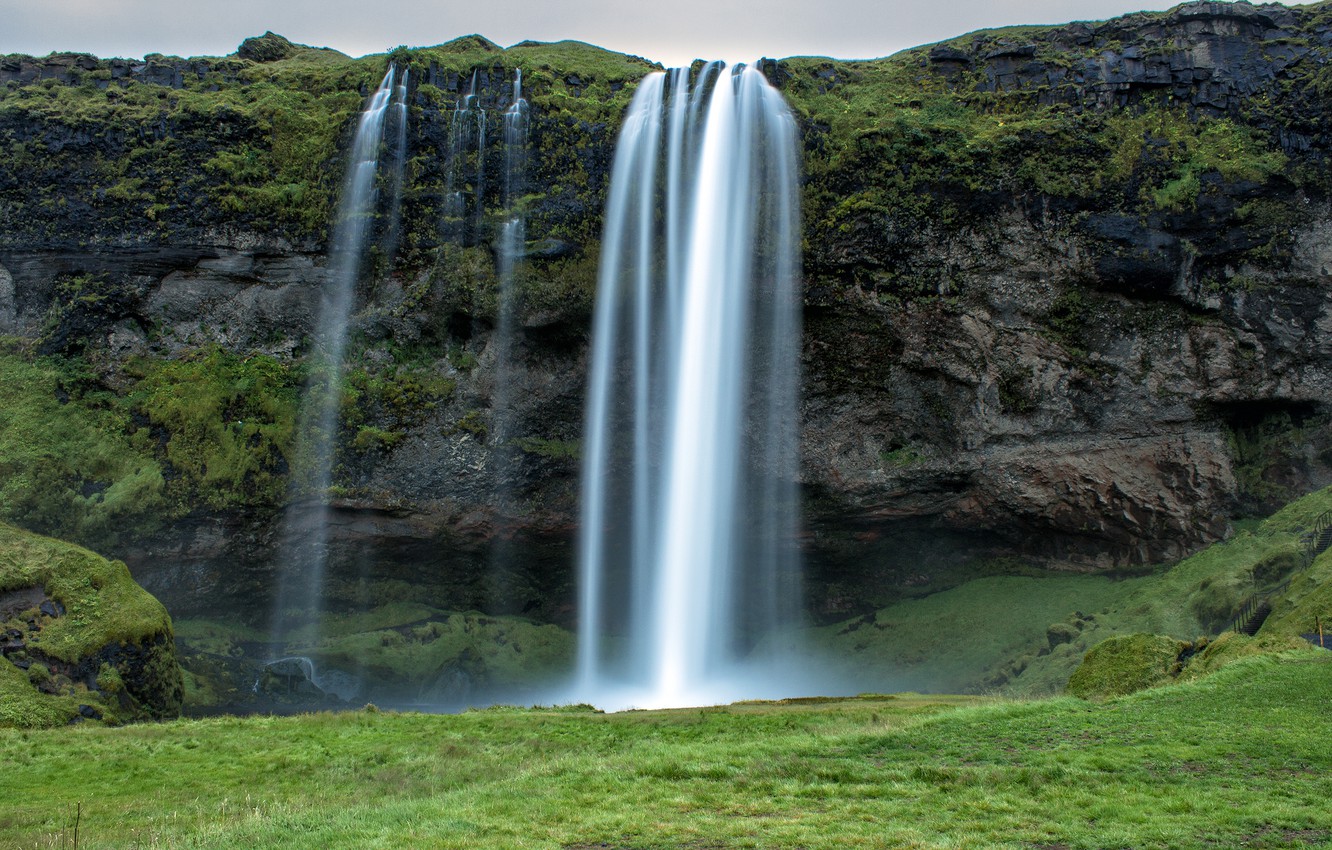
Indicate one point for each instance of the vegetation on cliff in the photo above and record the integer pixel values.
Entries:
(1175, 206)
(86, 463)
(66, 467)
(152, 150)
(1117, 138)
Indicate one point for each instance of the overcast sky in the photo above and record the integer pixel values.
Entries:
(669, 32)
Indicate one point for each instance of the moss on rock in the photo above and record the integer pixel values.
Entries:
(66, 465)
(1231, 647)
(1125, 664)
(222, 423)
(101, 645)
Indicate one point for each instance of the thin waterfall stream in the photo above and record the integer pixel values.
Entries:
(510, 244)
(302, 571)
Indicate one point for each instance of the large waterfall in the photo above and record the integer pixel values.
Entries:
(300, 593)
(688, 556)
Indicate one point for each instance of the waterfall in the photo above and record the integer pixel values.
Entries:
(510, 242)
(509, 245)
(300, 593)
(398, 160)
(467, 131)
(688, 551)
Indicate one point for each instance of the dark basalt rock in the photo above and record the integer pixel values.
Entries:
(1211, 55)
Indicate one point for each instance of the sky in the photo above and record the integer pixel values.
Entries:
(673, 33)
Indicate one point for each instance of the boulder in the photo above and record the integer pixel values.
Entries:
(81, 640)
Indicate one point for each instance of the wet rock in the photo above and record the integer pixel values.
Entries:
(290, 679)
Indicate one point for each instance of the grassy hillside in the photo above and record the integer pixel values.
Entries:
(1027, 634)
(1240, 758)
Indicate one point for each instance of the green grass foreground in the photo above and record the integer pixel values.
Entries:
(1242, 758)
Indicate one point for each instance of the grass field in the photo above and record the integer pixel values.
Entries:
(1242, 758)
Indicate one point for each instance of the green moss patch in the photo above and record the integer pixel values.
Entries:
(434, 656)
(1126, 664)
(95, 637)
(1231, 647)
(22, 706)
(222, 423)
(66, 465)
(79, 461)
(400, 652)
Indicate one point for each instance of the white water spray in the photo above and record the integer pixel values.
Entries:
(688, 555)
(467, 132)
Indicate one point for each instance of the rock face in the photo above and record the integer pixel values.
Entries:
(1067, 294)
(1109, 444)
(1214, 56)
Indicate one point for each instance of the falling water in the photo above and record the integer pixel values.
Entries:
(467, 131)
(479, 184)
(301, 575)
(509, 245)
(688, 555)
(398, 160)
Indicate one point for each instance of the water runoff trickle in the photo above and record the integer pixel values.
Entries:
(468, 130)
(301, 572)
(688, 559)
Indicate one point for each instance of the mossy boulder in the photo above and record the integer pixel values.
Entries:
(79, 639)
(1127, 663)
(1231, 647)
(269, 47)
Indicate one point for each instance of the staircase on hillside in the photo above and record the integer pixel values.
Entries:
(1257, 608)
(1252, 616)
(1318, 538)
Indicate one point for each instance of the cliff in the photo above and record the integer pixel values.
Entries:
(1066, 299)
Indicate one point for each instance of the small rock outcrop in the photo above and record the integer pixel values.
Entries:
(268, 47)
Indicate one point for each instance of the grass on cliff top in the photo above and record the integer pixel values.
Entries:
(260, 142)
(1026, 636)
(892, 147)
(1240, 758)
